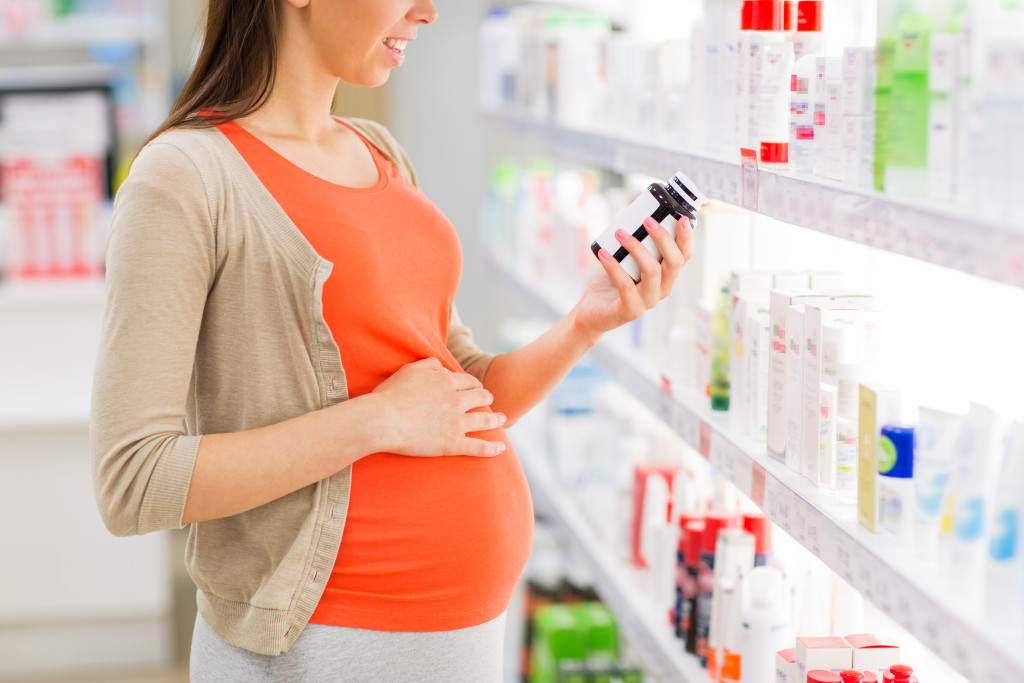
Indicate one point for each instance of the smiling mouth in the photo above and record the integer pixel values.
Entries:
(396, 44)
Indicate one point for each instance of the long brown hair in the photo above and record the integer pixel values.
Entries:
(236, 67)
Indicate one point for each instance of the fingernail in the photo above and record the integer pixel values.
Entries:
(621, 235)
(689, 224)
(502, 419)
(501, 447)
(603, 254)
(651, 225)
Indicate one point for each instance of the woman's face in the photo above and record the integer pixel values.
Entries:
(360, 41)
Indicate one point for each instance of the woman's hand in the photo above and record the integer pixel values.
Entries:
(429, 410)
(613, 299)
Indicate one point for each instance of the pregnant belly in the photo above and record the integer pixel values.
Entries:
(430, 543)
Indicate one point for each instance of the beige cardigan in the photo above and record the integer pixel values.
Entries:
(214, 320)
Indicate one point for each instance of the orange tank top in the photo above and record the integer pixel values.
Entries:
(430, 543)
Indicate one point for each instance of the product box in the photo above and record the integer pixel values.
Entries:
(794, 387)
(858, 98)
(721, 245)
(829, 654)
(778, 399)
(843, 319)
(745, 305)
(756, 347)
(785, 665)
(878, 406)
(702, 348)
(873, 653)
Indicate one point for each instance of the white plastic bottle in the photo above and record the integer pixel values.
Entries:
(766, 626)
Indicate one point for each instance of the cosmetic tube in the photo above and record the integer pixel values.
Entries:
(933, 453)
(972, 487)
(1004, 585)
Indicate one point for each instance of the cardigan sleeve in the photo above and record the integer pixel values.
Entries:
(161, 263)
(460, 338)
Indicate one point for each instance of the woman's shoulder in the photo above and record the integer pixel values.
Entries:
(381, 138)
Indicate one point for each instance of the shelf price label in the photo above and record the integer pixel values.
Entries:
(758, 478)
(704, 442)
(748, 178)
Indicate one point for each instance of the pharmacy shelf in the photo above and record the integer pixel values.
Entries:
(662, 654)
(886, 573)
(943, 235)
(83, 32)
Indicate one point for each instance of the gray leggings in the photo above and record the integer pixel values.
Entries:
(335, 654)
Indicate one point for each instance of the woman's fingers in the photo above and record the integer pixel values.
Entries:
(649, 286)
(629, 295)
(672, 254)
(478, 448)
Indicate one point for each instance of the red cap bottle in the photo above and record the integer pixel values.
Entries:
(855, 676)
(761, 527)
(899, 673)
(822, 676)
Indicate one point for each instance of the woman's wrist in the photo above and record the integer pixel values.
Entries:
(584, 334)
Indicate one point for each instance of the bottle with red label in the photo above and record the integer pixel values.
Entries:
(855, 676)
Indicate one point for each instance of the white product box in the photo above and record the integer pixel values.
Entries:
(818, 315)
(826, 280)
(833, 130)
(747, 286)
(858, 81)
(702, 349)
(744, 307)
(858, 151)
(794, 414)
(830, 654)
(756, 345)
(785, 665)
(792, 280)
(778, 398)
(873, 653)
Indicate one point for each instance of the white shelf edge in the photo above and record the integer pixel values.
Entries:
(81, 32)
(946, 236)
(662, 654)
(903, 590)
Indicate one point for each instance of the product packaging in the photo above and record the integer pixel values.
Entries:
(831, 653)
(734, 557)
(794, 419)
(977, 456)
(895, 482)
(785, 666)
(778, 398)
(765, 623)
(843, 322)
(1004, 585)
(801, 116)
(827, 70)
(934, 438)
(773, 110)
(652, 493)
(899, 673)
(746, 305)
(714, 523)
(758, 334)
(873, 653)
(878, 406)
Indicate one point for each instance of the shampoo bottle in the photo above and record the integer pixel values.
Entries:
(766, 627)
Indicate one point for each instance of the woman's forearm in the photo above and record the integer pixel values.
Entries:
(243, 470)
(520, 379)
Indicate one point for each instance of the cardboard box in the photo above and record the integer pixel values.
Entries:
(785, 665)
(829, 654)
(878, 407)
(873, 653)
(795, 387)
(778, 397)
(744, 307)
(818, 316)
